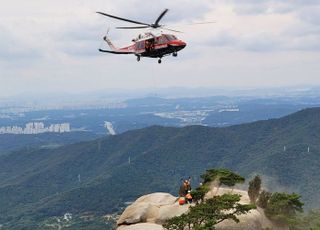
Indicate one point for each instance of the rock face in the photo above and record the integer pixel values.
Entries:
(143, 226)
(151, 211)
(153, 208)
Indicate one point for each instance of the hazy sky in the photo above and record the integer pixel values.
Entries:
(51, 46)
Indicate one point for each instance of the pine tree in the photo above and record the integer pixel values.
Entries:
(264, 199)
(222, 177)
(254, 189)
(283, 207)
(209, 213)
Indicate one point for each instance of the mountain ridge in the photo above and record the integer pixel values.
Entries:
(159, 157)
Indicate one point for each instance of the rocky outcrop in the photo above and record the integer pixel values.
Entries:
(152, 208)
(142, 226)
(151, 211)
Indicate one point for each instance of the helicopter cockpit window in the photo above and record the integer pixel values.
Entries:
(163, 39)
(171, 37)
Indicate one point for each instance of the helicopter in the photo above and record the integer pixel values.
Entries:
(147, 44)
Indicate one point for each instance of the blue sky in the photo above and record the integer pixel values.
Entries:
(51, 46)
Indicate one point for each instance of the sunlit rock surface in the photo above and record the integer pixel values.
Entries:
(152, 210)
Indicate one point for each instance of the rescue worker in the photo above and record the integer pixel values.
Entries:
(182, 190)
(185, 187)
(189, 197)
(147, 45)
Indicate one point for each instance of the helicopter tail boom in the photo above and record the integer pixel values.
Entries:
(114, 50)
(108, 41)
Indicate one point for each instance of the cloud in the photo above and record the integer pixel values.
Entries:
(264, 42)
(244, 9)
(148, 11)
(260, 42)
(53, 44)
(310, 15)
(247, 7)
(79, 49)
(270, 26)
(14, 48)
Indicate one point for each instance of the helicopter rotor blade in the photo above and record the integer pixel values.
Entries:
(198, 23)
(177, 31)
(132, 27)
(123, 19)
(190, 24)
(156, 23)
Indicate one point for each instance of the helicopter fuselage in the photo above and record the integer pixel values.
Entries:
(155, 46)
(149, 45)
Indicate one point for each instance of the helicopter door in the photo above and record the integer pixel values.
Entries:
(149, 44)
(140, 46)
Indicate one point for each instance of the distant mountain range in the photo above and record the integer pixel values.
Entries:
(215, 111)
(97, 176)
(13, 142)
(104, 96)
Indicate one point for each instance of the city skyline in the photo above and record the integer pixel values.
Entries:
(36, 128)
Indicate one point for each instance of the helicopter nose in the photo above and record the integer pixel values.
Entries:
(178, 43)
(183, 44)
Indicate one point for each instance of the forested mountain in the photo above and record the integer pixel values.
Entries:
(13, 142)
(97, 176)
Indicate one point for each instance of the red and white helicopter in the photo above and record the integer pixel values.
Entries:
(147, 44)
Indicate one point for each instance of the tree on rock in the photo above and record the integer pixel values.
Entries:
(254, 189)
(283, 207)
(263, 199)
(199, 193)
(222, 177)
(207, 214)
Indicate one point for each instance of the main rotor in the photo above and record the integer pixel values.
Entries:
(143, 25)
